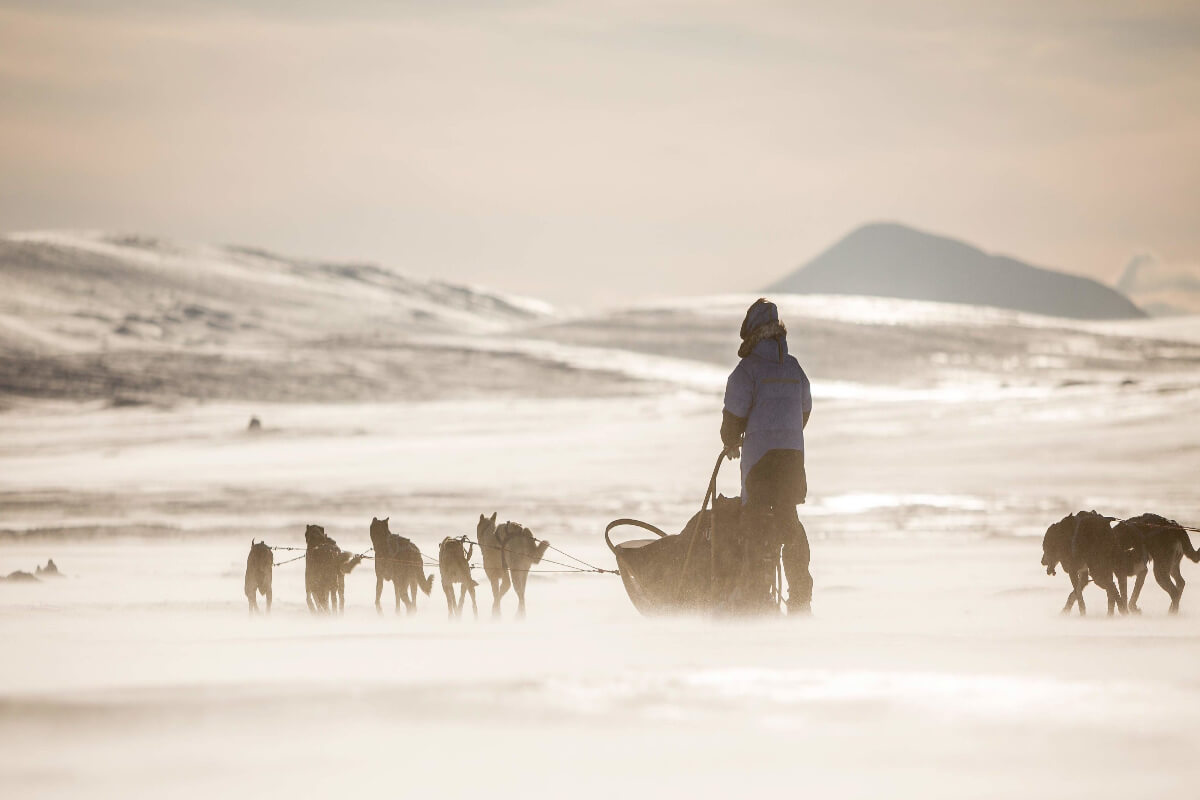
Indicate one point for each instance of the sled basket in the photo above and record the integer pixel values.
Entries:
(711, 566)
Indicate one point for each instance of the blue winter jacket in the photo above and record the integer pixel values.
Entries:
(770, 391)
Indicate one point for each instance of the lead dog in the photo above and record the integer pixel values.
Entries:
(1086, 546)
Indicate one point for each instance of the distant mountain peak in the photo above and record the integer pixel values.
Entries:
(889, 259)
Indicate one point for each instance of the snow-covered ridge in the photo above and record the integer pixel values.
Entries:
(94, 316)
(894, 311)
(107, 289)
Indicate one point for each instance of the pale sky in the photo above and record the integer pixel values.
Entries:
(598, 152)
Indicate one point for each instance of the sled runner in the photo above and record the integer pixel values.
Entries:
(716, 564)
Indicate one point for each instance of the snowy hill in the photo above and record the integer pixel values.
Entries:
(84, 292)
(124, 320)
(890, 260)
(131, 319)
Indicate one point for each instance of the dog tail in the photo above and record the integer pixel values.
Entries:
(1188, 550)
(542, 547)
(425, 582)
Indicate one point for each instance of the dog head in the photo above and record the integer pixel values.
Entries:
(314, 535)
(1056, 544)
(1130, 547)
(453, 547)
(379, 530)
(486, 525)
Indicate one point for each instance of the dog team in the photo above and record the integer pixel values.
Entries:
(1086, 544)
(1091, 549)
(508, 550)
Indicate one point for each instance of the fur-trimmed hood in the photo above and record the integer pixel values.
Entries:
(772, 330)
(761, 324)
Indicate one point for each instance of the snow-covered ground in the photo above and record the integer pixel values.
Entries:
(943, 442)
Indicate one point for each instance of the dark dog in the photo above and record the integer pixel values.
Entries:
(260, 567)
(1085, 545)
(1164, 542)
(397, 560)
(454, 563)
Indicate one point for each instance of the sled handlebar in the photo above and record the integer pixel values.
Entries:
(709, 495)
(637, 523)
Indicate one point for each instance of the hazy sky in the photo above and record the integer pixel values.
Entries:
(589, 152)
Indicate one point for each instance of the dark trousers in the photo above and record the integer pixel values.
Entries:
(775, 485)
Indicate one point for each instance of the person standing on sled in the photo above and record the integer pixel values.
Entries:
(768, 400)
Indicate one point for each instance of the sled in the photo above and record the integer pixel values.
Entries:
(713, 566)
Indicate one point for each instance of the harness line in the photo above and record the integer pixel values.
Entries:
(428, 561)
(568, 567)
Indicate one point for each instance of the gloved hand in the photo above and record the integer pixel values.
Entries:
(733, 452)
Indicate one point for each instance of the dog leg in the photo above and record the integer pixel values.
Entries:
(1066, 609)
(1115, 602)
(1137, 592)
(400, 593)
(408, 594)
(519, 578)
(252, 603)
(1072, 597)
(268, 594)
(449, 591)
(378, 594)
(1078, 581)
(1162, 574)
(1179, 584)
(499, 587)
(474, 608)
(1123, 590)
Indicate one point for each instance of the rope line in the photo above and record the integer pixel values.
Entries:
(1171, 526)
(569, 567)
(428, 561)
(591, 567)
